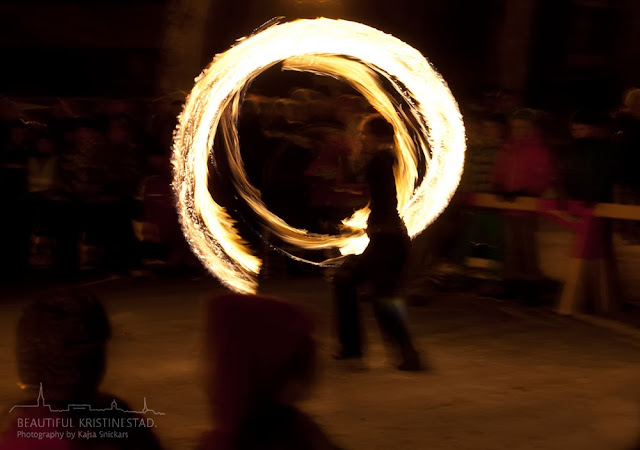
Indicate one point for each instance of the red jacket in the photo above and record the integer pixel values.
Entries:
(523, 166)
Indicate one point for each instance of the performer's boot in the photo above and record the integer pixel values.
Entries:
(391, 316)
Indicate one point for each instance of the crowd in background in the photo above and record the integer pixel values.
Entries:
(86, 186)
(588, 154)
(73, 185)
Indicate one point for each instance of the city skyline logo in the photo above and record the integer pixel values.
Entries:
(84, 422)
(41, 403)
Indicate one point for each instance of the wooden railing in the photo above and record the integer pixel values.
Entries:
(589, 266)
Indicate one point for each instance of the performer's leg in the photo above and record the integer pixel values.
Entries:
(388, 255)
(390, 313)
(345, 284)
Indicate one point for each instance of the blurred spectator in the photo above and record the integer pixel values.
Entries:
(285, 193)
(523, 167)
(101, 172)
(336, 179)
(42, 170)
(43, 184)
(84, 177)
(254, 147)
(125, 142)
(16, 148)
(61, 354)
(122, 165)
(482, 152)
(331, 198)
(627, 150)
(440, 252)
(283, 176)
(588, 176)
(503, 101)
(287, 117)
(159, 229)
(260, 361)
(587, 167)
(163, 119)
(627, 140)
(481, 246)
(319, 107)
(82, 162)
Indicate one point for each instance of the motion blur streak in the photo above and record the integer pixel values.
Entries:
(343, 49)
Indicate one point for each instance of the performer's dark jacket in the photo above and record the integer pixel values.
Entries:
(384, 217)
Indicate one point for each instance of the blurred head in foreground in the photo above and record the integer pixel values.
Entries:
(61, 343)
(260, 359)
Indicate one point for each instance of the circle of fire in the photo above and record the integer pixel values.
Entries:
(346, 50)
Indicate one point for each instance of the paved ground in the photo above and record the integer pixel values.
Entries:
(504, 376)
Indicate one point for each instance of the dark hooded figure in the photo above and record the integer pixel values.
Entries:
(588, 169)
(260, 360)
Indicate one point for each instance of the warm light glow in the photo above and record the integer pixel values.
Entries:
(319, 46)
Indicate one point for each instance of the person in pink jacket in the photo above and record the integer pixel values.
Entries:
(523, 167)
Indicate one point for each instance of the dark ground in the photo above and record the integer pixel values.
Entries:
(504, 375)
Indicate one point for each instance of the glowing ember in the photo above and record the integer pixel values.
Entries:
(348, 50)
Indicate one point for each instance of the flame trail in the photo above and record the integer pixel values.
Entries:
(347, 50)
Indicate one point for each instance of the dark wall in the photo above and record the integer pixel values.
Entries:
(580, 48)
(576, 53)
(65, 48)
(457, 36)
